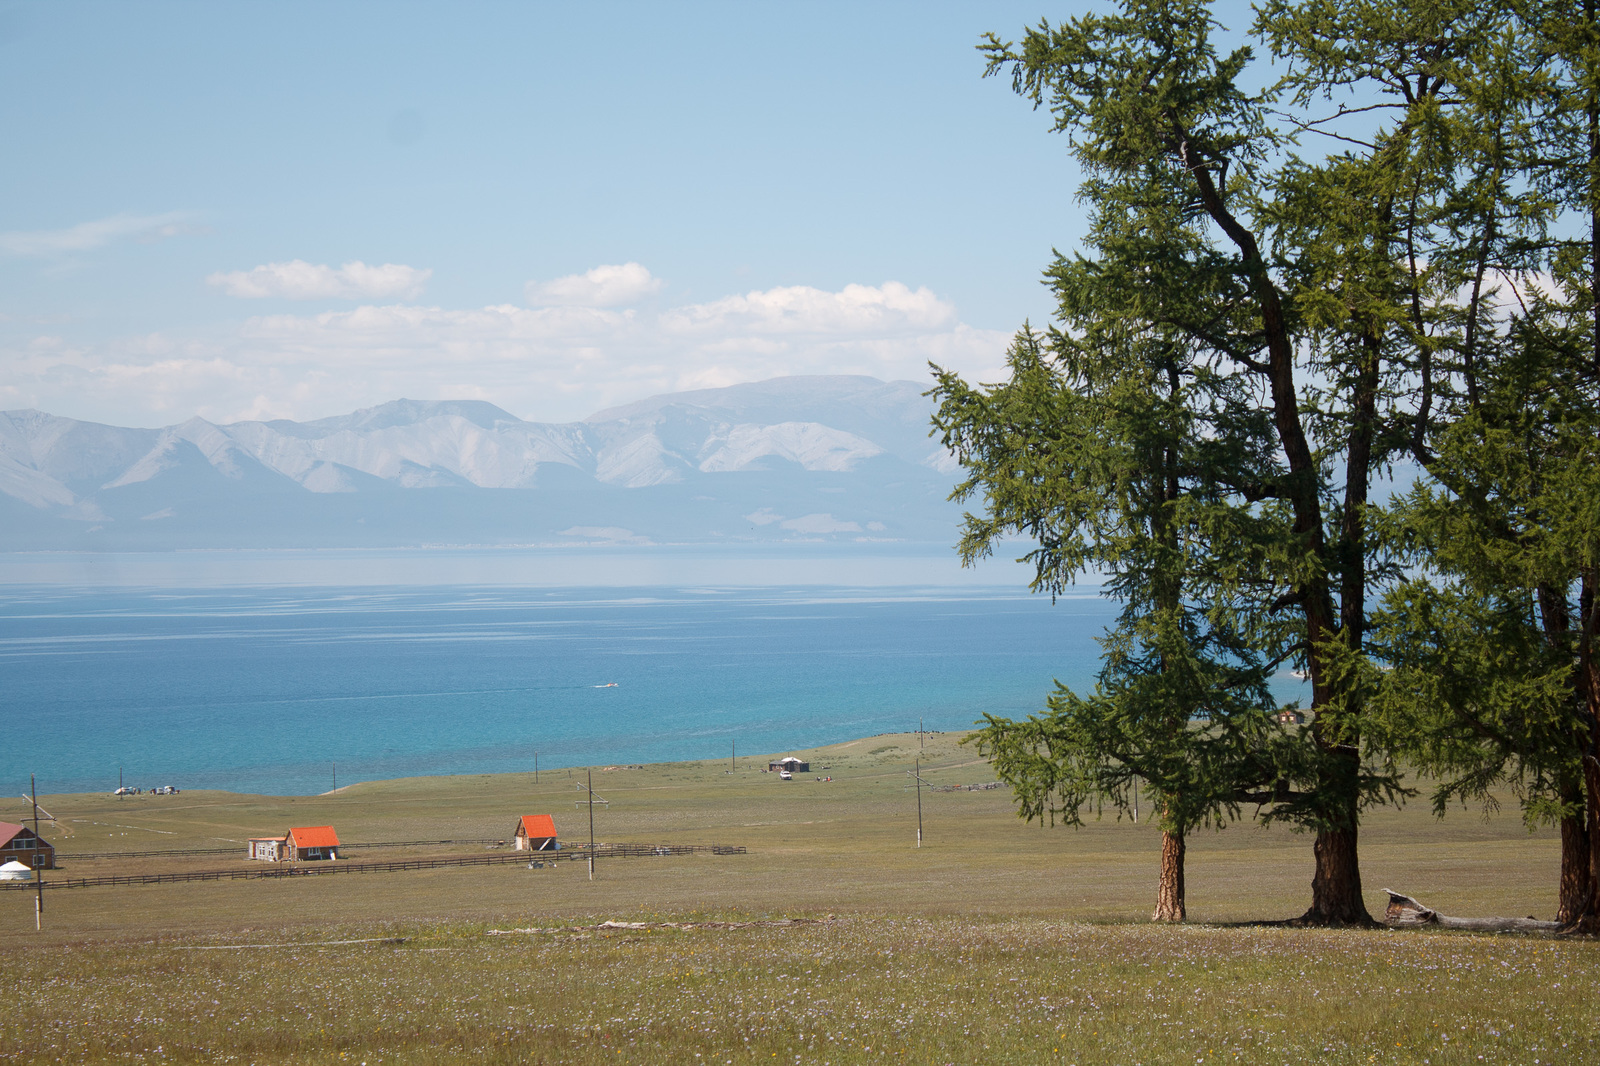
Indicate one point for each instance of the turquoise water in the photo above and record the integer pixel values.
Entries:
(265, 689)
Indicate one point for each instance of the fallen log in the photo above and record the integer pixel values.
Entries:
(1404, 912)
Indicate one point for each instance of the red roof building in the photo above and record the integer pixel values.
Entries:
(310, 842)
(19, 843)
(536, 832)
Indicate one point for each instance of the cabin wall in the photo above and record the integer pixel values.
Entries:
(33, 852)
(32, 858)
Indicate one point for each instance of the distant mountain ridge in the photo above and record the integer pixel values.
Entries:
(800, 458)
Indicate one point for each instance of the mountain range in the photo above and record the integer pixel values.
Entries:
(796, 459)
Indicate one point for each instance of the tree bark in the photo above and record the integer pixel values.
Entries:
(1587, 920)
(1169, 893)
(1576, 884)
(1336, 884)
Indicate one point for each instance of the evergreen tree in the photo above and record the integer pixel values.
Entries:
(1325, 284)
(1103, 446)
(1492, 641)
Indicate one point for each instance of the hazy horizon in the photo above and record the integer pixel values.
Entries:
(663, 566)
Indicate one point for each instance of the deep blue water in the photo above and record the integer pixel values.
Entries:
(264, 689)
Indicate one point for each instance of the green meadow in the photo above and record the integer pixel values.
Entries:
(833, 940)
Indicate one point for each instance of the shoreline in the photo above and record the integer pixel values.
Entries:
(746, 763)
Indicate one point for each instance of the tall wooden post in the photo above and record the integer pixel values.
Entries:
(591, 825)
(733, 757)
(38, 872)
(535, 768)
(919, 800)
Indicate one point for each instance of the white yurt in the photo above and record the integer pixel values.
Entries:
(15, 871)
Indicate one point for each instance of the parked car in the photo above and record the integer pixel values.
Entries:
(126, 790)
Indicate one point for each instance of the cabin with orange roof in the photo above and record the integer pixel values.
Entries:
(312, 842)
(305, 843)
(536, 832)
(18, 843)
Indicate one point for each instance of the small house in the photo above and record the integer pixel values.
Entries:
(267, 849)
(312, 842)
(536, 832)
(1291, 716)
(791, 764)
(301, 844)
(18, 843)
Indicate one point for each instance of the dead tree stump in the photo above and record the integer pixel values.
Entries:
(1404, 912)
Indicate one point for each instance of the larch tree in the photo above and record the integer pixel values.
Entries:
(1491, 642)
(1316, 282)
(1569, 593)
(1103, 448)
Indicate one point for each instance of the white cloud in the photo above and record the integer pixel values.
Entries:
(604, 286)
(607, 535)
(556, 363)
(891, 308)
(300, 280)
(1509, 294)
(89, 235)
(819, 523)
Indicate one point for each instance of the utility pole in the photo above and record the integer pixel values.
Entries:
(921, 737)
(733, 757)
(591, 825)
(336, 777)
(919, 801)
(916, 776)
(535, 768)
(38, 873)
(119, 780)
(1136, 801)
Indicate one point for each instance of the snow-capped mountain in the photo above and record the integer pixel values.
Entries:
(800, 458)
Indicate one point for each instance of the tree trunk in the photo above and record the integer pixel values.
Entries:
(1336, 885)
(1576, 884)
(1169, 893)
(1587, 920)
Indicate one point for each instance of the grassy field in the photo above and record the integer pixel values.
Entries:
(995, 942)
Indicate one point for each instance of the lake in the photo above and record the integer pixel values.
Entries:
(269, 688)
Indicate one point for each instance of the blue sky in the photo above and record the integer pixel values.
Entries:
(550, 207)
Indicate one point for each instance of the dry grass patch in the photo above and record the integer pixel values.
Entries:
(997, 942)
(848, 991)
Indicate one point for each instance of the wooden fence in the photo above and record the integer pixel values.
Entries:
(313, 869)
(237, 848)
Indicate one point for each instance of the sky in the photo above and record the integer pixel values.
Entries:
(297, 210)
